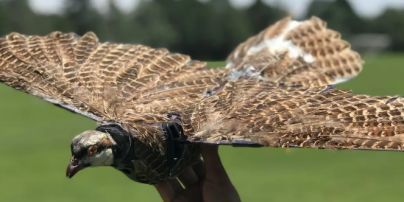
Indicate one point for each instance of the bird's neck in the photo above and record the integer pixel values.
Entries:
(123, 149)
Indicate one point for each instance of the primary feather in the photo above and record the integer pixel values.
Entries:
(305, 53)
(259, 113)
(274, 92)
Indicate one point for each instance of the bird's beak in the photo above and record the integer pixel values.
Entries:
(73, 167)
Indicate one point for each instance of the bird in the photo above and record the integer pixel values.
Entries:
(154, 108)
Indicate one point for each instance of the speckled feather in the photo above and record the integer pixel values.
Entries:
(137, 86)
(273, 92)
(306, 53)
(127, 84)
(134, 86)
(294, 116)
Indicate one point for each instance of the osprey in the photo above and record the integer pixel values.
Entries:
(154, 108)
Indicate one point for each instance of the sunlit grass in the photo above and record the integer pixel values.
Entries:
(34, 151)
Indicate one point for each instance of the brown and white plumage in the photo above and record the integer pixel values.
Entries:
(103, 81)
(266, 114)
(133, 87)
(95, 78)
(306, 53)
(273, 93)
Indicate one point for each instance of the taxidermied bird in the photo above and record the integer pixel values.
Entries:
(154, 108)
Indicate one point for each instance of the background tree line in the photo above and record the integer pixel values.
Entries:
(206, 30)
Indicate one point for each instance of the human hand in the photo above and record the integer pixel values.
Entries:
(206, 181)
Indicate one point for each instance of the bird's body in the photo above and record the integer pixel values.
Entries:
(132, 157)
(154, 107)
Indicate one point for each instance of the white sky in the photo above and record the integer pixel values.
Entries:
(366, 8)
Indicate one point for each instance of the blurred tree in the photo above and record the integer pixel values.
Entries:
(391, 22)
(17, 16)
(228, 27)
(207, 29)
(339, 15)
(152, 26)
(117, 26)
(261, 15)
(192, 20)
(82, 17)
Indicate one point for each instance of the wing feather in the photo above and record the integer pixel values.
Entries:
(294, 116)
(306, 53)
(103, 81)
(138, 86)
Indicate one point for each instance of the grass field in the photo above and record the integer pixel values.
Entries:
(34, 151)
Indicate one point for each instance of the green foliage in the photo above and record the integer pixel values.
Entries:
(81, 17)
(205, 30)
(391, 22)
(339, 15)
(260, 15)
(34, 152)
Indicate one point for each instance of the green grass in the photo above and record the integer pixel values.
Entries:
(34, 151)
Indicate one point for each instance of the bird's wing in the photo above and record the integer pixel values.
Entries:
(306, 53)
(251, 113)
(103, 81)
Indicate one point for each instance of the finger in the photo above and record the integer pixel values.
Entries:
(191, 182)
(210, 155)
(165, 191)
(209, 151)
(199, 169)
(213, 166)
(175, 185)
(188, 177)
(217, 185)
(193, 193)
(169, 189)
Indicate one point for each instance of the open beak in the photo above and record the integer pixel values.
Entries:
(73, 167)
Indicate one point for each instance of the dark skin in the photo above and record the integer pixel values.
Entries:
(206, 181)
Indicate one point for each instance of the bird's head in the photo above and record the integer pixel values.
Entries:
(90, 148)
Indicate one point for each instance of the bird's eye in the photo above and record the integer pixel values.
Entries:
(92, 150)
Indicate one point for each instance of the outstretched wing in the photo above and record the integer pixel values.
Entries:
(306, 53)
(262, 114)
(103, 81)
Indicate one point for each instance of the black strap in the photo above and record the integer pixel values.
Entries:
(175, 143)
(124, 150)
